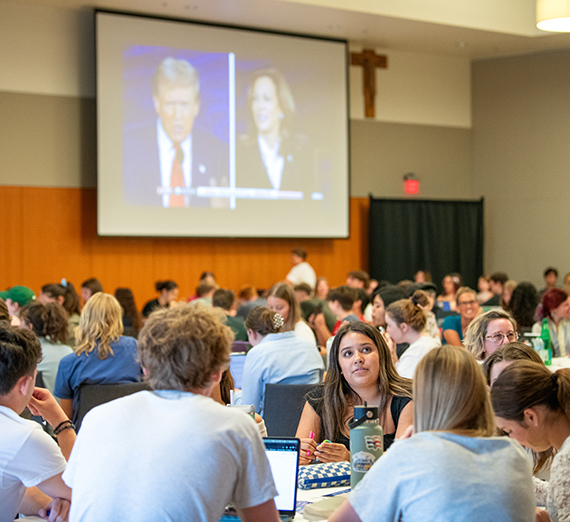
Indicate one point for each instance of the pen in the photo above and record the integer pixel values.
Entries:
(311, 436)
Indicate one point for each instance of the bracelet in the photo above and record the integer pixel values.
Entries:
(66, 424)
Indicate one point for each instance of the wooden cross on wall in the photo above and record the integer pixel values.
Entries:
(369, 60)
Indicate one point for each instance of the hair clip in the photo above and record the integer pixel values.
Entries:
(64, 282)
(278, 320)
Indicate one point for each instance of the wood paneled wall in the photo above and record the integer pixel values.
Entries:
(50, 233)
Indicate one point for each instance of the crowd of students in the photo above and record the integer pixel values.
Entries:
(175, 453)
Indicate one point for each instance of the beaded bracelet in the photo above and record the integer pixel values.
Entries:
(66, 424)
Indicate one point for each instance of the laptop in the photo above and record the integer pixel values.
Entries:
(237, 362)
(283, 456)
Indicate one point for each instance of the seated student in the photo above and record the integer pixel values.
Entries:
(224, 299)
(452, 468)
(532, 406)
(360, 369)
(248, 299)
(172, 453)
(501, 358)
(361, 304)
(31, 463)
(132, 318)
(49, 323)
(276, 357)
(340, 301)
(281, 299)
(168, 294)
(555, 308)
(102, 354)
(89, 288)
(65, 295)
(406, 322)
(16, 298)
(489, 331)
(455, 326)
(497, 282)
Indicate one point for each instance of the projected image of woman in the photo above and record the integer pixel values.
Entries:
(268, 156)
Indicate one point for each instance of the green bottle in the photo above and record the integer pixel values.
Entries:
(545, 336)
(366, 441)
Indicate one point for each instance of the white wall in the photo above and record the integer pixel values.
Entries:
(46, 50)
(415, 88)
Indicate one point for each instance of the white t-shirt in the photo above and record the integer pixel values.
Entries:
(302, 273)
(166, 455)
(304, 331)
(406, 366)
(28, 456)
(437, 476)
(52, 353)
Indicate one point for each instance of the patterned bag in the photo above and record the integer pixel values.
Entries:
(324, 475)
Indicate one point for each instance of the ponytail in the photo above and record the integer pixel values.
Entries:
(263, 321)
(525, 384)
(407, 311)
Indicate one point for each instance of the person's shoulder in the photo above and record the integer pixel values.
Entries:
(69, 360)
(316, 395)
(126, 342)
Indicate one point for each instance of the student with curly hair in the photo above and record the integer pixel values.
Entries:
(49, 323)
(172, 453)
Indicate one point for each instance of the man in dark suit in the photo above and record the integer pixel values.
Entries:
(163, 164)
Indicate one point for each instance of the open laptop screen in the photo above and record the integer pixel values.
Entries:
(283, 456)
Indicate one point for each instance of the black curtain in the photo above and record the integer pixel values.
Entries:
(438, 236)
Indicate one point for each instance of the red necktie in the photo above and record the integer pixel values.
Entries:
(177, 177)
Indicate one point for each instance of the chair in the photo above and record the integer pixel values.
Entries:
(241, 347)
(283, 407)
(91, 395)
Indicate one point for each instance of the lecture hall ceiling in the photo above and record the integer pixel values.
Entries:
(475, 29)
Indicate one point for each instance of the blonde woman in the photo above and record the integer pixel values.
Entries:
(452, 468)
(102, 355)
(488, 332)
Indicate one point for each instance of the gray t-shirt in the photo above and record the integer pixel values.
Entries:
(435, 476)
(166, 455)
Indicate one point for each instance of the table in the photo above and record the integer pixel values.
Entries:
(560, 362)
(314, 495)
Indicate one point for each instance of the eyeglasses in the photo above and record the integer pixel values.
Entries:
(469, 303)
(499, 337)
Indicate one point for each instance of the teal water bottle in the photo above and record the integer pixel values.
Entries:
(366, 441)
(545, 336)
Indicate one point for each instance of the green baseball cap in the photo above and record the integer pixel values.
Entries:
(19, 294)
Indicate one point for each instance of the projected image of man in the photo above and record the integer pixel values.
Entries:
(180, 158)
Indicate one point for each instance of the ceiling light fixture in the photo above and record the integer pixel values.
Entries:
(553, 15)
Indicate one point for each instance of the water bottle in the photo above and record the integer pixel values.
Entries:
(545, 336)
(366, 441)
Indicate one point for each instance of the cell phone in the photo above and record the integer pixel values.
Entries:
(318, 309)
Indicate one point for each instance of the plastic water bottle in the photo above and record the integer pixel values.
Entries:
(545, 336)
(366, 441)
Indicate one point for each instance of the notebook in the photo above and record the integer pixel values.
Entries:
(283, 456)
